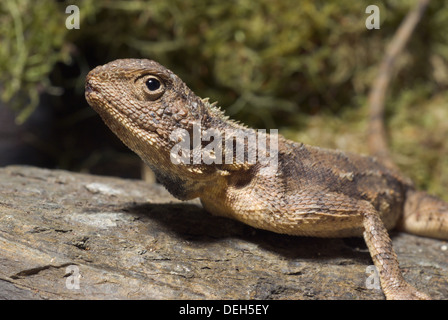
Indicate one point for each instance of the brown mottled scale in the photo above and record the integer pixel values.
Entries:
(313, 191)
(316, 192)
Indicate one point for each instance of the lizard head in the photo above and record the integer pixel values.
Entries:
(143, 102)
(143, 99)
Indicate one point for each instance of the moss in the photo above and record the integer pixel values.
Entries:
(300, 65)
(32, 41)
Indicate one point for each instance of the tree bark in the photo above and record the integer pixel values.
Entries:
(66, 235)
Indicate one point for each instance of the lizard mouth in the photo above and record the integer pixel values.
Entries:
(92, 92)
(96, 99)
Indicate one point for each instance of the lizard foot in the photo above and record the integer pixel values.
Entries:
(405, 292)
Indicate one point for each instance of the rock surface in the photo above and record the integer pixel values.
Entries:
(66, 235)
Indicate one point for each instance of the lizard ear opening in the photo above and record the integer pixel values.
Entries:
(154, 87)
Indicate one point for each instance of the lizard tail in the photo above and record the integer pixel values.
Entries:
(377, 140)
(425, 215)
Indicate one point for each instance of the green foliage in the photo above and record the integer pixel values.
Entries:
(31, 42)
(267, 60)
(270, 63)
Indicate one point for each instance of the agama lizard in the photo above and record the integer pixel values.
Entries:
(313, 192)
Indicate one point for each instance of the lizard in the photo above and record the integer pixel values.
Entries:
(313, 191)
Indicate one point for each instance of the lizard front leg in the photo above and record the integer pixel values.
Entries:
(322, 214)
(385, 260)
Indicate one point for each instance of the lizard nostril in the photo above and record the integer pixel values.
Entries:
(88, 87)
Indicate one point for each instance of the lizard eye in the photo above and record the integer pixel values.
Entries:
(154, 87)
(153, 84)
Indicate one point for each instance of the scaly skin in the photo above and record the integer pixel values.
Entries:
(314, 191)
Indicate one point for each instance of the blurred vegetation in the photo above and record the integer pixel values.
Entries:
(31, 44)
(302, 66)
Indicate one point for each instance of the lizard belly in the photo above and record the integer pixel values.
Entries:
(305, 219)
(308, 211)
